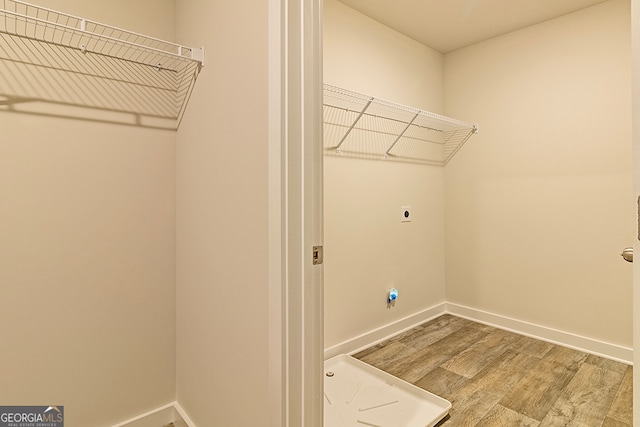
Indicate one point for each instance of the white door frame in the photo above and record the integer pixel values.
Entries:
(635, 97)
(295, 213)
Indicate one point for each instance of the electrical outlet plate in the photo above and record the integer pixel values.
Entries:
(405, 214)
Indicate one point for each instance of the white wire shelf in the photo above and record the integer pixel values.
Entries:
(91, 64)
(358, 125)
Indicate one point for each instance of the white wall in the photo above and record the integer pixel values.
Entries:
(222, 218)
(539, 204)
(367, 248)
(87, 253)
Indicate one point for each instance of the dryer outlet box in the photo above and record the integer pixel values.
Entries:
(406, 214)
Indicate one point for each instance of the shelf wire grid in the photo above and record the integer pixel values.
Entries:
(62, 59)
(357, 125)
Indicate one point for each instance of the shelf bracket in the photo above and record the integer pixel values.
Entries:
(197, 54)
(353, 125)
(401, 134)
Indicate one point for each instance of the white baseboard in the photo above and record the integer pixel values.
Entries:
(184, 415)
(565, 339)
(159, 417)
(377, 335)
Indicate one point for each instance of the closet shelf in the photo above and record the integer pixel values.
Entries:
(154, 76)
(358, 125)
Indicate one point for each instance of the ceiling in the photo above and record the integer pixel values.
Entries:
(447, 25)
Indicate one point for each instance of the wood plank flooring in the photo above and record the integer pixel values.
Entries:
(497, 378)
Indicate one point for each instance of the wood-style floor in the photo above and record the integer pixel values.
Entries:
(497, 378)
